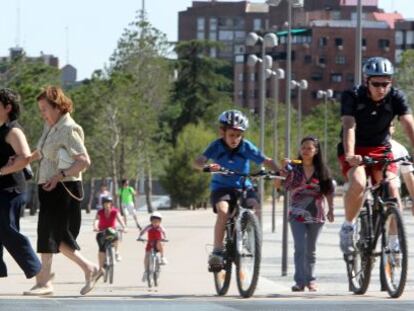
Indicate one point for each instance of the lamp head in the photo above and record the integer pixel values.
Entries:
(252, 38)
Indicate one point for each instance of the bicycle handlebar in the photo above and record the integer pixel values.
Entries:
(262, 173)
(407, 160)
(146, 240)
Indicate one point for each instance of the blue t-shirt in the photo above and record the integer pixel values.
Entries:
(237, 160)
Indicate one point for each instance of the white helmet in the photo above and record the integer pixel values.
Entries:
(234, 119)
(156, 215)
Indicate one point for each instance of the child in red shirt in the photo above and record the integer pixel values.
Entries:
(156, 233)
(105, 222)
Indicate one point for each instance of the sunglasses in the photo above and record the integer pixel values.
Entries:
(380, 84)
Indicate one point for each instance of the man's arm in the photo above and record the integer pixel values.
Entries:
(407, 123)
(348, 139)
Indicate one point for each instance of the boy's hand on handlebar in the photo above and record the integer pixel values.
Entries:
(354, 160)
(213, 167)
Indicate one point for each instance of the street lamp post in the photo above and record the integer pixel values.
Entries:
(325, 95)
(269, 40)
(301, 85)
(358, 43)
(277, 75)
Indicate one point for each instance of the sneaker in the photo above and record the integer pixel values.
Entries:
(144, 276)
(298, 288)
(90, 283)
(163, 261)
(216, 258)
(118, 257)
(347, 239)
(39, 291)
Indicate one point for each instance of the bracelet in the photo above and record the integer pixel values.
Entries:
(62, 172)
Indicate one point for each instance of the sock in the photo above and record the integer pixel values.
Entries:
(348, 223)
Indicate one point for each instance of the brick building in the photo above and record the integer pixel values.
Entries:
(323, 41)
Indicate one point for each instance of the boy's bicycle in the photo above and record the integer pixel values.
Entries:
(243, 240)
(153, 268)
(379, 222)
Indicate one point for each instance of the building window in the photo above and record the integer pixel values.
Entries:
(212, 36)
(240, 94)
(239, 59)
(340, 60)
(364, 42)
(240, 35)
(399, 37)
(257, 24)
(409, 37)
(323, 41)
(226, 35)
(317, 76)
(350, 77)
(336, 77)
(225, 22)
(252, 77)
(322, 60)
(307, 59)
(240, 77)
(200, 35)
(213, 52)
(336, 15)
(239, 49)
(213, 24)
(200, 23)
(238, 23)
(339, 42)
(383, 43)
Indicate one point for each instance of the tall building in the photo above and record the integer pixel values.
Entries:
(15, 52)
(323, 41)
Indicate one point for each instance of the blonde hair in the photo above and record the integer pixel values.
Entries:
(56, 98)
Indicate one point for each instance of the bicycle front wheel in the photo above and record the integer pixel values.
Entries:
(249, 241)
(222, 278)
(359, 263)
(111, 265)
(394, 255)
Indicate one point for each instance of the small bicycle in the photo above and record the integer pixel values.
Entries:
(378, 220)
(153, 268)
(110, 236)
(243, 240)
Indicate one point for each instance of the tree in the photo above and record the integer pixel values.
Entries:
(201, 88)
(187, 186)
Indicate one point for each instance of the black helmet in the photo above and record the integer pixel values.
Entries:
(107, 199)
(234, 119)
(377, 67)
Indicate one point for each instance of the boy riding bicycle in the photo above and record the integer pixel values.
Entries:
(234, 152)
(156, 233)
(105, 225)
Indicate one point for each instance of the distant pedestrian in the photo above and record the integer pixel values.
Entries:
(14, 156)
(127, 195)
(103, 193)
(63, 158)
(310, 187)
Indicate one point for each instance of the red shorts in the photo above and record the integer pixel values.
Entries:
(378, 152)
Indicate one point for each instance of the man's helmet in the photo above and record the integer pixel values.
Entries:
(234, 119)
(106, 199)
(156, 215)
(377, 67)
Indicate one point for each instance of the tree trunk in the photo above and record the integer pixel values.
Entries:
(114, 176)
(148, 183)
(91, 195)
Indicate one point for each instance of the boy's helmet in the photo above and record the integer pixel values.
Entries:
(234, 119)
(377, 67)
(107, 199)
(156, 215)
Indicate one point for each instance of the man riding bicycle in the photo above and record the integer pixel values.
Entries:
(234, 152)
(366, 113)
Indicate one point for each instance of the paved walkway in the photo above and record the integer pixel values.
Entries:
(186, 276)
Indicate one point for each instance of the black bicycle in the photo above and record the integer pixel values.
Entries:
(109, 237)
(379, 232)
(243, 240)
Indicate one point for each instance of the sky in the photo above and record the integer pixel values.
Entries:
(85, 32)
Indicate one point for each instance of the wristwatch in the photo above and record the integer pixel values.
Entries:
(62, 172)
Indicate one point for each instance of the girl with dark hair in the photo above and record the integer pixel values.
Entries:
(310, 187)
(14, 156)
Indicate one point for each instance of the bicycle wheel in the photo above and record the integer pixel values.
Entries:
(359, 263)
(156, 270)
(107, 264)
(222, 278)
(394, 255)
(249, 250)
(151, 269)
(111, 265)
